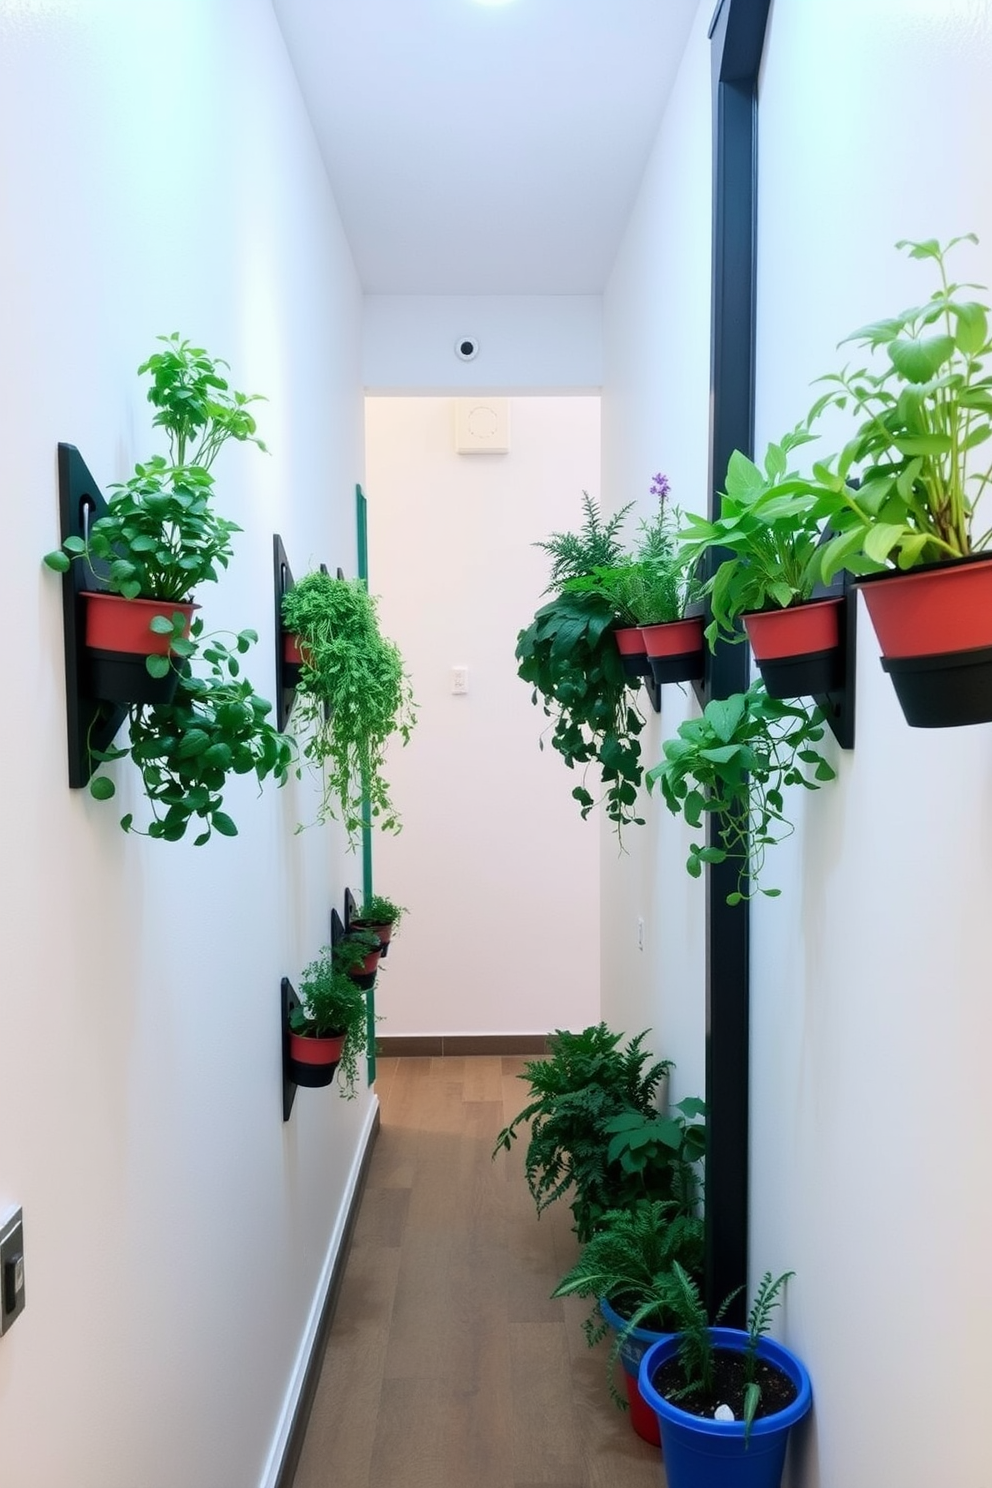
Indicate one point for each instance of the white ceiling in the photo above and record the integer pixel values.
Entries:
(485, 148)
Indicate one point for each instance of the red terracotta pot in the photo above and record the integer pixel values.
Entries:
(934, 610)
(291, 649)
(315, 1050)
(114, 623)
(814, 626)
(384, 932)
(633, 656)
(675, 638)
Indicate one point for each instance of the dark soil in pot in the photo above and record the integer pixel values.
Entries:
(777, 1389)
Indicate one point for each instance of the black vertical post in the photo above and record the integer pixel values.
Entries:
(737, 35)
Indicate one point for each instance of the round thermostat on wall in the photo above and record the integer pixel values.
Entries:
(466, 348)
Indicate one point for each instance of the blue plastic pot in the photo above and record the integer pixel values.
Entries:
(634, 1347)
(702, 1453)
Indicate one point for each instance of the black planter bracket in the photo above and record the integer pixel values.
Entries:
(285, 677)
(91, 723)
(288, 1001)
(838, 705)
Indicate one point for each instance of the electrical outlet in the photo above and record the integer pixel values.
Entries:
(640, 932)
(459, 680)
(11, 1269)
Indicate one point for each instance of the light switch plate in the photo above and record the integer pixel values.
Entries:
(12, 1292)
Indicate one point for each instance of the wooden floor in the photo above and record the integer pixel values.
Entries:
(448, 1365)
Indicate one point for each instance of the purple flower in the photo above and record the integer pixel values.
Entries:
(660, 487)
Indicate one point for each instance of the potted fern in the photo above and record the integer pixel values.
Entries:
(726, 1398)
(353, 696)
(380, 915)
(627, 1267)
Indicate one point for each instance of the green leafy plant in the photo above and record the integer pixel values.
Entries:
(378, 910)
(925, 415)
(353, 697)
(576, 1093)
(731, 766)
(196, 407)
(570, 657)
(696, 1348)
(770, 522)
(332, 1004)
(352, 950)
(215, 726)
(656, 583)
(629, 1261)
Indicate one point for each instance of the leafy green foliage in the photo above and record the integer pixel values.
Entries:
(195, 405)
(353, 949)
(696, 1342)
(353, 696)
(770, 522)
(570, 657)
(629, 1261)
(731, 767)
(331, 1004)
(925, 415)
(575, 1095)
(216, 726)
(378, 910)
(653, 586)
(596, 545)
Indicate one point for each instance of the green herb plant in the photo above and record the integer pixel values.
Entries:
(378, 910)
(332, 1004)
(696, 1349)
(352, 698)
(731, 767)
(925, 415)
(630, 1261)
(159, 539)
(576, 1094)
(770, 524)
(352, 950)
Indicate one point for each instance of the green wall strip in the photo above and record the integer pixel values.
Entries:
(362, 531)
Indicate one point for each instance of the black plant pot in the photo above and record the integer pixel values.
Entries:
(122, 677)
(685, 666)
(949, 690)
(806, 675)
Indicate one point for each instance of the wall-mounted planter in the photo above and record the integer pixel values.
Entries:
(634, 661)
(798, 650)
(119, 638)
(934, 625)
(675, 651)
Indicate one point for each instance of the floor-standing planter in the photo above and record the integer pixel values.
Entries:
(934, 625)
(798, 650)
(118, 639)
(632, 1350)
(705, 1453)
(675, 650)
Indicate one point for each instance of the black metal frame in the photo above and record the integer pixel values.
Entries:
(285, 684)
(737, 34)
(91, 723)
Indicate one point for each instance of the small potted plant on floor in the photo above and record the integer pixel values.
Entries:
(627, 1267)
(352, 697)
(570, 658)
(732, 765)
(594, 1130)
(329, 1028)
(380, 915)
(771, 524)
(907, 524)
(726, 1398)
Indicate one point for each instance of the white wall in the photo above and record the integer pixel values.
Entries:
(498, 869)
(530, 343)
(158, 173)
(870, 1109)
(655, 418)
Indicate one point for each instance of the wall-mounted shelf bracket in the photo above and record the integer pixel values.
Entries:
(286, 674)
(838, 704)
(91, 723)
(288, 1001)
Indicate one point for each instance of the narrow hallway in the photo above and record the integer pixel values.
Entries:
(448, 1365)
